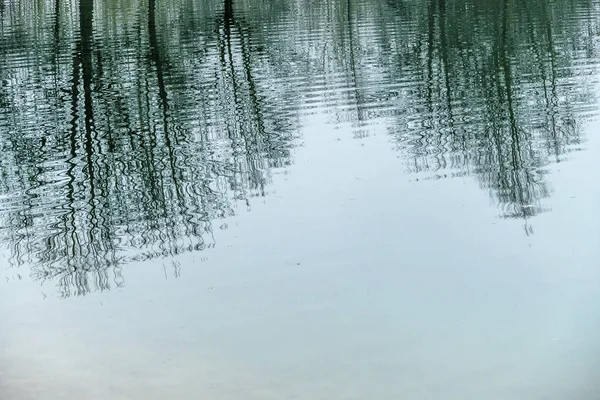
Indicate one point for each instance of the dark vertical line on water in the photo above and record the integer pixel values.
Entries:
(551, 105)
(56, 17)
(227, 53)
(517, 192)
(246, 61)
(506, 69)
(228, 10)
(56, 36)
(162, 92)
(155, 56)
(424, 140)
(55, 55)
(258, 136)
(430, 50)
(148, 173)
(50, 240)
(227, 21)
(86, 10)
(160, 191)
(549, 98)
(70, 225)
(446, 66)
(106, 166)
(496, 100)
(539, 58)
(357, 95)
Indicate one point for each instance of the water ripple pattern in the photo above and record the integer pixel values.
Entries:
(132, 130)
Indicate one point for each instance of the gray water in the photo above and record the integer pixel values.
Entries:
(299, 200)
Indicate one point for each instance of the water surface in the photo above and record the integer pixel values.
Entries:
(350, 200)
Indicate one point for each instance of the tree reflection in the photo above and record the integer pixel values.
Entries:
(496, 104)
(492, 89)
(127, 130)
(148, 156)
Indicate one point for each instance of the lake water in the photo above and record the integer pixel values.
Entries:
(250, 199)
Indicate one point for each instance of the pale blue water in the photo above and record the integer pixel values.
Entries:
(299, 201)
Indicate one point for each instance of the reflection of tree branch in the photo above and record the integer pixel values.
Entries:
(446, 65)
(508, 138)
(516, 186)
(86, 9)
(162, 92)
(551, 103)
(251, 133)
(359, 100)
(119, 189)
(72, 256)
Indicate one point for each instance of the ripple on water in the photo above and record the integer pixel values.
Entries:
(129, 132)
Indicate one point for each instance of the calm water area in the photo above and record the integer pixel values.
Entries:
(299, 199)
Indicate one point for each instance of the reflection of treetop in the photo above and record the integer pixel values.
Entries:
(117, 141)
(499, 95)
(128, 127)
(494, 88)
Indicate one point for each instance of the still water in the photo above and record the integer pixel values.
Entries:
(250, 199)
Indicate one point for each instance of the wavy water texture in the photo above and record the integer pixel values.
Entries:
(130, 128)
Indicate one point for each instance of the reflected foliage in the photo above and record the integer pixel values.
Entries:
(502, 93)
(130, 129)
(494, 89)
(120, 146)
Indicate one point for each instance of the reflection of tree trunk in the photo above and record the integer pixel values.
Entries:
(162, 93)
(80, 249)
(56, 27)
(430, 50)
(155, 55)
(516, 191)
(256, 108)
(551, 103)
(227, 57)
(424, 138)
(55, 51)
(550, 94)
(228, 10)
(446, 62)
(357, 96)
(226, 50)
(258, 135)
(70, 228)
(86, 9)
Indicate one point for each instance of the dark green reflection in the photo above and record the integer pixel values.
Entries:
(496, 89)
(129, 129)
(123, 143)
(501, 93)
